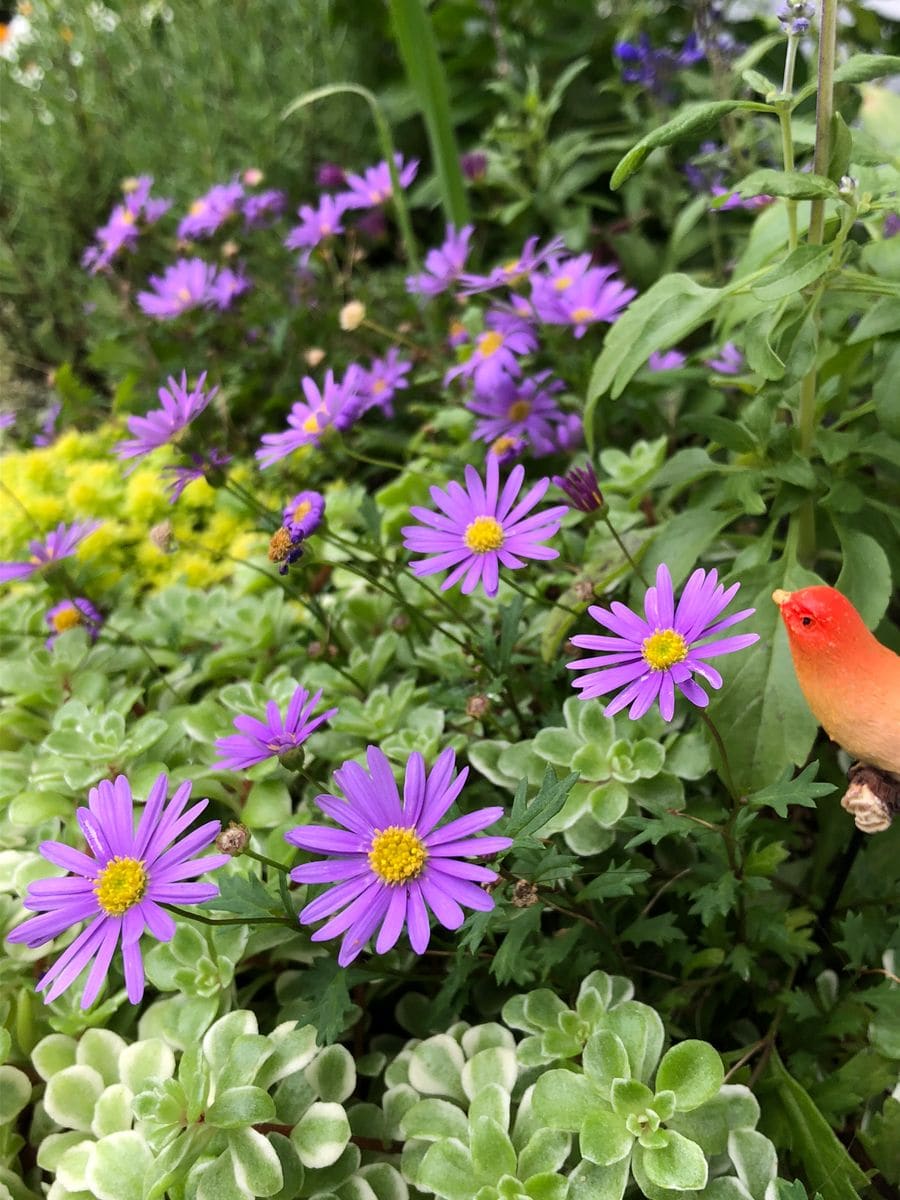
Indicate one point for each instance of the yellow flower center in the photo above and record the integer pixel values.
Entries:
(502, 444)
(563, 282)
(311, 424)
(379, 386)
(280, 545)
(484, 534)
(663, 649)
(301, 510)
(397, 854)
(198, 207)
(66, 618)
(519, 410)
(120, 885)
(490, 343)
(456, 328)
(582, 314)
(127, 217)
(184, 294)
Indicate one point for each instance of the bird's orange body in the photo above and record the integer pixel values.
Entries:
(850, 680)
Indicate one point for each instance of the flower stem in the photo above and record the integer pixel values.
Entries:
(269, 862)
(804, 518)
(723, 754)
(195, 916)
(787, 139)
(637, 570)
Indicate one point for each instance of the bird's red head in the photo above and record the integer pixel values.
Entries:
(819, 619)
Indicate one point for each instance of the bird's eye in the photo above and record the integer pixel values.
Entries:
(806, 620)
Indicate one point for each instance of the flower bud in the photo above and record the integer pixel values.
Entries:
(234, 840)
(352, 316)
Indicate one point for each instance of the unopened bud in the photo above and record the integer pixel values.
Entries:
(525, 894)
(352, 315)
(400, 622)
(583, 590)
(315, 650)
(253, 176)
(234, 840)
(293, 758)
(230, 248)
(313, 356)
(163, 538)
(478, 706)
(848, 185)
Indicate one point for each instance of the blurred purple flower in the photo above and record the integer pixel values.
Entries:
(202, 466)
(262, 209)
(185, 285)
(589, 297)
(48, 426)
(227, 286)
(71, 613)
(444, 265)
(504, 449)
(58, 544)
(210, 212)
(381, 382)
(161, 425)
(525, 410)
(730, 360)
(316, 224)
(305, 512)
(666, 360)
(516, 270)
(474, 165)
(493, 359)
(336, 404)
(331, 175)
(374, 186)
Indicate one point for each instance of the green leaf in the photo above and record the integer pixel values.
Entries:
(509, 963)
(827, 1164)
(883, 318)
(492, 1152)
(447, 1171)
(673, 307)
(245, 896)
(802, 790)
(615, 881)
(117, 1166)
(761, 696)
(561, 1099)
(435, 1067)
(865, 576)
(885, 392)
(592, 1182)
(604, 1138)
(859, 68)
(525, 821)
(754, 1159)
(256, 1161)
(799, 269)
(693, 1071)
(692, 119)
(641, 1031)
(321, 1135)
(794, 185)
(240, 1106)
(71, 1095)
(684, 540)
(432, 1120)
(680, 1164)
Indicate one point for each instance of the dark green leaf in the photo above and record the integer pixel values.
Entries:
(525, 820)
(795, 185)
(802, 790)
(841, 148)
(693, 119)
(865, 576)
(615, 881)
(883, 318)
(827, 1164)
(718, 429)
(509, 963)
(886, 393)
(658, 930)
(245, 896)
(802, 267)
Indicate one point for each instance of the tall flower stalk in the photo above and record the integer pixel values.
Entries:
(805, 517)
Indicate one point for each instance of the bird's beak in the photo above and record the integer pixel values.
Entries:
(780, 596)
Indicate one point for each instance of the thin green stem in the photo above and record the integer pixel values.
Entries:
(787, 137)
(824, 112)
(536, 599)
(392, 335)
(637, 570)
(723, 755)
(195, 916)
(269, 862)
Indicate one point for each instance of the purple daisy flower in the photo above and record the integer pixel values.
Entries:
(515, 270)
(119, 887)
(59, 543)
(730, 360)
(7, 420)
(336, 404)
(71, 613)
(652, 655)
(264, 208)
(493, 358)
(227, 286)
(120, 232)
(527, 410)
(591, 296)
(210, 212)
(480, 528)
(666, 360)
(316, 224)
(161, 425)
(184, 285)
(444, 265)
(374, 186)
(474, 165)
(390, 862)
(505, 449)
(384, 378)
(208, 467)
(273, 738)
(305, 512)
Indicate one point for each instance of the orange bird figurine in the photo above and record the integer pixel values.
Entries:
(850, 681)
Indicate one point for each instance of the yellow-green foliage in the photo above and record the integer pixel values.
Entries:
(77, 478)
